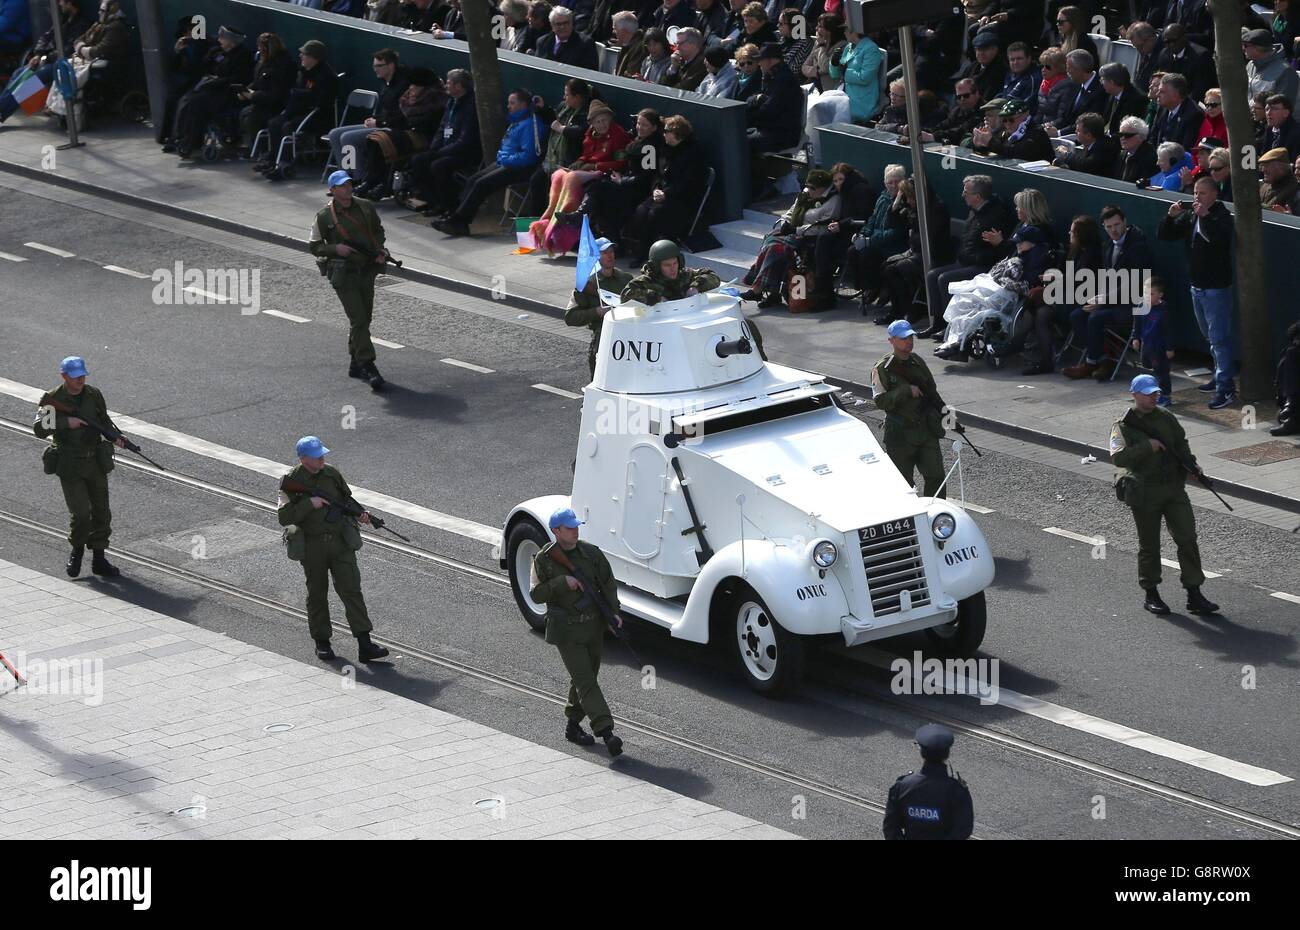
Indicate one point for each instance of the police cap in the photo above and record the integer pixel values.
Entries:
(934, 739)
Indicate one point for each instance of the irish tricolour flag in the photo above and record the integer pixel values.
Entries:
(26, 91)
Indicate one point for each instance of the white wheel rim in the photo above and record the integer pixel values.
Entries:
(757, 638)
(524, 554)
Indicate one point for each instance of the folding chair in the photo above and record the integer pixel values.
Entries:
(513, 202)
(365, 101)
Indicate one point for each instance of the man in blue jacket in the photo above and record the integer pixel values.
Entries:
(520, 151)
(15, 27)
(455, 147)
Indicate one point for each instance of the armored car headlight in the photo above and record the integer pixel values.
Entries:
(943, 526)
(825, 553)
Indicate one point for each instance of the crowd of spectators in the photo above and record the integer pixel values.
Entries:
(1002, 80)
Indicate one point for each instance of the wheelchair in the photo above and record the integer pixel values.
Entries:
(221, 138)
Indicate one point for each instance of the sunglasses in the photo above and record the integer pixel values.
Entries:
(1212, 105)
(1127, 135)
(966, 95)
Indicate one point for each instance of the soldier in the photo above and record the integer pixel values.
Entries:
(664, 277)
(575, 626)
(327, 545)
(1150, 449)
(585, 306)
(931, 805)
(82, 458)
(900, 383)
(348, 242)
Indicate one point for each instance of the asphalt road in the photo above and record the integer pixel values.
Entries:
(1066, 627)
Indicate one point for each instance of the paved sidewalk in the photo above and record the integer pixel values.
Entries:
(839, 343)
(153, 716)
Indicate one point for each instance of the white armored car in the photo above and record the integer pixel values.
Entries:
(737, 500)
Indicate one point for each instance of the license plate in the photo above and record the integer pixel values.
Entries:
(887, 530)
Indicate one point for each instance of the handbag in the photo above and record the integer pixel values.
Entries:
(799, 286)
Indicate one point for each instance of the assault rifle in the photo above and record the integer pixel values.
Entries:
(370, 253)
(109, 434)
(931, 396)
(1202, 478)
(349, 507)
(611, 618)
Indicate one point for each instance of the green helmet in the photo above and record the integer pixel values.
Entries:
(665, 249)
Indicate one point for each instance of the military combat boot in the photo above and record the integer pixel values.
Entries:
(574, 733)
(371, 374)
(324, 651)
(367, 650)
(612, 742)
(1153, 602)
(1197, 603)
(100, 565)
(74, 561)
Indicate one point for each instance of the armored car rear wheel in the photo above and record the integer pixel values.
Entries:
(963, 636)
(770, 659)
(524, 542)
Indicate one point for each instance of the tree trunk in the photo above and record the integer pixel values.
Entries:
(1255, 353)
(482, 33)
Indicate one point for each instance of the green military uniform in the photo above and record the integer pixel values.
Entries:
(84, 460)
(1155, 487)
(353, 277)
(650, 287)
(575, 626)
(329, 548)
(584, 305)
(913, 427)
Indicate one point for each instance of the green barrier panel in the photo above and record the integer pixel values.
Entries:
(1070, 193)
(719, 124)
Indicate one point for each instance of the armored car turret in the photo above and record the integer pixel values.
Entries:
(737, 500)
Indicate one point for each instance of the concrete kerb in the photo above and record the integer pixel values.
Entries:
(1002, 428)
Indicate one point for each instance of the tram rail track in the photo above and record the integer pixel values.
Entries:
(812, 784)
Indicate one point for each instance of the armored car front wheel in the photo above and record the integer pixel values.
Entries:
(524, 542)
(963, 636)
(770, 658)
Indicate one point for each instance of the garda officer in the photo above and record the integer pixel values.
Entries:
(326, 546)
(1146, 445)
(931, 804)
(82, 458)
(352, 268)
(585, 306)
(913, 424)
(575, 625)
(664, 277)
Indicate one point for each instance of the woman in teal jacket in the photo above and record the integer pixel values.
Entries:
(859, 68)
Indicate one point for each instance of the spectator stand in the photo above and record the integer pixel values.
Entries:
(1070, 193)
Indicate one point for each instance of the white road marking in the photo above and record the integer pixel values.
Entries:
(382, 502)
(41, 247)
(386, 344)
(560, 391)
(459, 364)
(1170, 563)
(1086, 723)
(1099, 540)
(287, 316)
(208, 295)
(127, 271)
(973, 508)
(1283, 596)
(1077, 537)
(12, 258)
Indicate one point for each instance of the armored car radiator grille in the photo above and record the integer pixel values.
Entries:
(891, 555)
